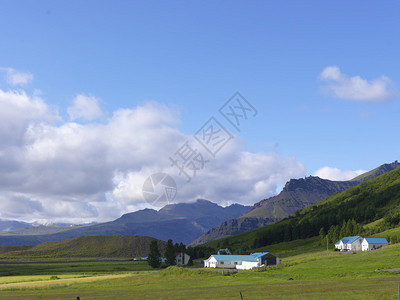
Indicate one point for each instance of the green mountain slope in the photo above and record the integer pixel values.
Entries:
(373, 200)
(88, 246)
(297, 194)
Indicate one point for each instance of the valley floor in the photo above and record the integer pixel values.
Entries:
(317, 275)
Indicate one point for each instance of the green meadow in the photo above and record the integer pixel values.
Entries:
(315, 274)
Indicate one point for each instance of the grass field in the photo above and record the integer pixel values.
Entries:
(76, 267)
(318, 275)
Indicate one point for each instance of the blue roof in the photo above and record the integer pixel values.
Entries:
(350, 239)
(376, 240)
(234, 257)
(259, 254)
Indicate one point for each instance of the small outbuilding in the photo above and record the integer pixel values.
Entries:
(373, 243)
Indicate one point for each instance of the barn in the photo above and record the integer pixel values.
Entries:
(373, 243)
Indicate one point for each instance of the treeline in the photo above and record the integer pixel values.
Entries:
(155, 257)
(336, 232)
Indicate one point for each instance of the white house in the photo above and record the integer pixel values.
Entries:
(242, 262)
(349, 243)
(181, 258)
(373, 243)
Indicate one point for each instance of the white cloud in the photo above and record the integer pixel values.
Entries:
(14, 77)
(336, 174)
(69, 172)
(355, 88)
(85, 108)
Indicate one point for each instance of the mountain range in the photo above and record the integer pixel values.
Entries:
(197, 222)
(297, 194)
(371, 208)
(181, 222)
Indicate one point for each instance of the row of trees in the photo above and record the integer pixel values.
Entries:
(336, 232)
(154, 258)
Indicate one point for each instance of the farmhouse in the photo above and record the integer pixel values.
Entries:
(242, 262)
(349, 243)
(181, 258)
(358, 243)
(373, 243)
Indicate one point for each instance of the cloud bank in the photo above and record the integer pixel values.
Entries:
(64, 171)
(336, 174)
(355, 88)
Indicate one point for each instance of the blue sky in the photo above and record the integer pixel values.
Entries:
(324, 78)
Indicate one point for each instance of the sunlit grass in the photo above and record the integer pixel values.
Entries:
(319, 275)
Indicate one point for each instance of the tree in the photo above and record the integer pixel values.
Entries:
(190, 262)
(322, 236)
(170, 253)
(154, 256)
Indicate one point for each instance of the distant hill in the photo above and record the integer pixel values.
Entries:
(88, 246)
(297, 194)
(9, 225)
(181, 222)
(375, 200)
(38, 230)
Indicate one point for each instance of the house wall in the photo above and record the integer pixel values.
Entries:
(228, 264)
(356, 245)
(268, 260)
(247, 265)
(369, 246)
(212, 262)
(182, 259)
(341, 246)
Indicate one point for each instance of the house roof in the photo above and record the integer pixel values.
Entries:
(376, 240)
(234, 257)
(220, 251)
(349, 239)
(259, 254)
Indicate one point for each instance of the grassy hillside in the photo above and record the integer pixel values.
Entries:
(373, 200)
(88, 246)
